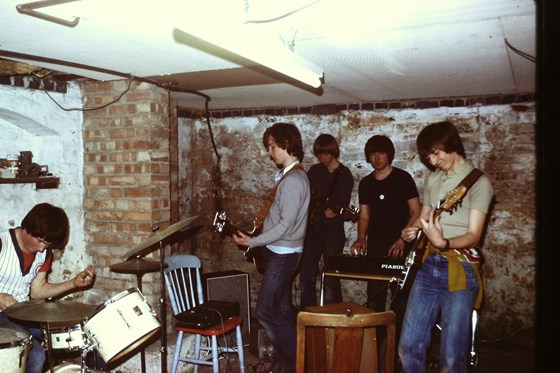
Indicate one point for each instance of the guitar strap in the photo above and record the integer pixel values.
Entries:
(471, 178)
(333, 182)
(259, 220)
(467, 182)
(327, 196)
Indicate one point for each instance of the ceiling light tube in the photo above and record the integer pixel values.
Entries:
(269, 53)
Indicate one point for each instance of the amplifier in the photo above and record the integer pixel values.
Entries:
(260, 346)
(208, 314)
(230, 286)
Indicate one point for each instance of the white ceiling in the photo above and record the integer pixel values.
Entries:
(369, 50)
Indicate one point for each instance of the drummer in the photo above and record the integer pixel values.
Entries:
(25, 261)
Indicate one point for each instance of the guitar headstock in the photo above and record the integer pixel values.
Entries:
(452, 199)
(220, 221)
(349, 213)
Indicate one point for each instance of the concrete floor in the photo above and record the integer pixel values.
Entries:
(511, 354)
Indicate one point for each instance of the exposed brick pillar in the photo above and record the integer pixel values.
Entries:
(127, 178)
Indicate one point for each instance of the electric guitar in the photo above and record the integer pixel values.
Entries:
(348, 213)
(252, 254)
(413, 261)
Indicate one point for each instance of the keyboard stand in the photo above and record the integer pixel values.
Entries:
(351, 275)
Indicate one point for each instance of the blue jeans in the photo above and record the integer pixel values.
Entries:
(275, 311)
(36, 355)
(325, 240)
(430, 295)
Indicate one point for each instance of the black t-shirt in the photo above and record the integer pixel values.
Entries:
(388, 205)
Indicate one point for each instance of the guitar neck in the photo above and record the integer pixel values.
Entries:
(230, 229)
(347, 213)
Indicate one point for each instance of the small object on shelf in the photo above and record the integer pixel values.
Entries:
(19, 169)
(13, 164)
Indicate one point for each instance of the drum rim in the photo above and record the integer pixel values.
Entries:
(77, 326)
(117, 297)
(134, 345)
(24, 341)
(66, 365)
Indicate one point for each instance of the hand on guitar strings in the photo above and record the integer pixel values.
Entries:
(409, 234)
(432, 229)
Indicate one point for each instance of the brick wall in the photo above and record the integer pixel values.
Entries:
(127, 177)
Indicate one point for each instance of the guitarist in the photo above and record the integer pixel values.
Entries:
(283, 233)
(331, 186)
(446, 284)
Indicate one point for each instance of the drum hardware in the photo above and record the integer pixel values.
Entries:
(473, 358)
(160, 238)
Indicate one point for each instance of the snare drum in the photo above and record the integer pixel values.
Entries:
(68, 339)
(121, 324)
(14, 347)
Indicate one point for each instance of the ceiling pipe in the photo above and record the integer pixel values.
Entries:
(29, 9)
(165, 85)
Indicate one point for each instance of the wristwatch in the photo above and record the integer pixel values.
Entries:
(446, 247)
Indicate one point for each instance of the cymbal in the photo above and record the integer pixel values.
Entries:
(156, 237)
(50, 311)
(137, 265)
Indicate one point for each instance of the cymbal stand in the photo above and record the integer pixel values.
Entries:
(49, 347)
(163, 312)
(142, 352)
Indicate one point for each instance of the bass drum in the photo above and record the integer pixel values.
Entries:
(14, 347)
(121, 324)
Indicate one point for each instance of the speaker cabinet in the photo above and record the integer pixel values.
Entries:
(231, 286)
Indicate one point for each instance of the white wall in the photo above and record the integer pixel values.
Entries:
(31, 121)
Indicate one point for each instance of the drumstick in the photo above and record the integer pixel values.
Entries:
(84, 275)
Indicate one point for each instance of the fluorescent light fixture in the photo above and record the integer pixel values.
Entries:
(224, 29)
(254, 47)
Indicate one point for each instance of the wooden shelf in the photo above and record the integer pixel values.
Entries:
(45, 182)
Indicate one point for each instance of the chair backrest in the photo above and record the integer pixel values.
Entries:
(343, 337)
(183, 281)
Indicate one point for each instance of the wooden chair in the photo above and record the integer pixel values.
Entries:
(185, 291)
(342, 337)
